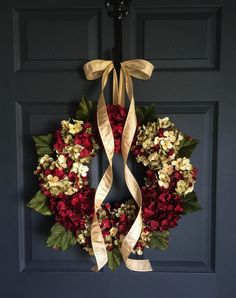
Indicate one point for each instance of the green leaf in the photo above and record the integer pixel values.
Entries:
(86, 110)
(191, 203)
(187, 146)
(159, 240)
(114, 259)
(43, 144)
(60, 238)
(40, 204)
(146, 114)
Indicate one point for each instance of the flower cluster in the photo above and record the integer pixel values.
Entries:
(65, 174)
(177, 177)
(161, 209)
(117, 116)
(156, 143)
(168, 178)
(75, 213)
(115, 221)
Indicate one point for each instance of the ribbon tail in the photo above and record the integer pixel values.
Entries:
(134, 233)
(105, 184)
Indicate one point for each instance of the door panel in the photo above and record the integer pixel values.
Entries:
(192, 46)
(185, 37)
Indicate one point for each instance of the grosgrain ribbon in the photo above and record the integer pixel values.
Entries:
(139, 69)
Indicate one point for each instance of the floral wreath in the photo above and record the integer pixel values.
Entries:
(63, 167)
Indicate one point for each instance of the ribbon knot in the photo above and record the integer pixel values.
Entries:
(140, 69)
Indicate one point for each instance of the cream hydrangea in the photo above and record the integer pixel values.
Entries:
(160, 143)
(164, 175)
(186, 184)
(57, 186)
(61, 162)
(80, 169)
(182, 164)
(72, 128)
(164, 122)
(45, 161)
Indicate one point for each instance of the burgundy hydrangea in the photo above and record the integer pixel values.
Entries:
(71, 211)
(162, 208)
(117, 116)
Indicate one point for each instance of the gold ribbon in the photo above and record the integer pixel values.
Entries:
(93, 70)
(139, 69)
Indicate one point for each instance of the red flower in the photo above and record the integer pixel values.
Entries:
(123, 228)
(117, 116)
(106, 224)
(59, 145)
(70, 211)
(147, 213)
(84, 153)
(154, 225)
(59, 173)
(162, 208)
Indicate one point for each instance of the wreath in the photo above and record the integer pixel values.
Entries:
(63, 169)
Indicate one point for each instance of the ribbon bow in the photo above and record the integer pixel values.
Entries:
(140, 69)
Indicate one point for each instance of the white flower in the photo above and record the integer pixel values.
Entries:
(62, 161)
(83, 170)
(76, 127)
(143, 159)
(81, 238)
(75, 167)
(52, 181)
(179, 139)
(170, 135)
(181, 187)
(65, 124)
(147, 144)
(45, 159)
(80, 169)
(164, 179)
(166, 144)
(164, 122)
(157, 140)
(153, 156)
(168, 169)
(190, 189)
(182, 164)
(74, 151)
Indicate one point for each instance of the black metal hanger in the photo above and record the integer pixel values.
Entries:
(117, 9)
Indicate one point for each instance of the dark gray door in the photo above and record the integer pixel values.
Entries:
(192, 45)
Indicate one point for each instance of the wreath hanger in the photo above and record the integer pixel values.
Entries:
(117, 10)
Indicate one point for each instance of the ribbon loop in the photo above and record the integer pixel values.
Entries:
(94, 69)
(138, 68)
